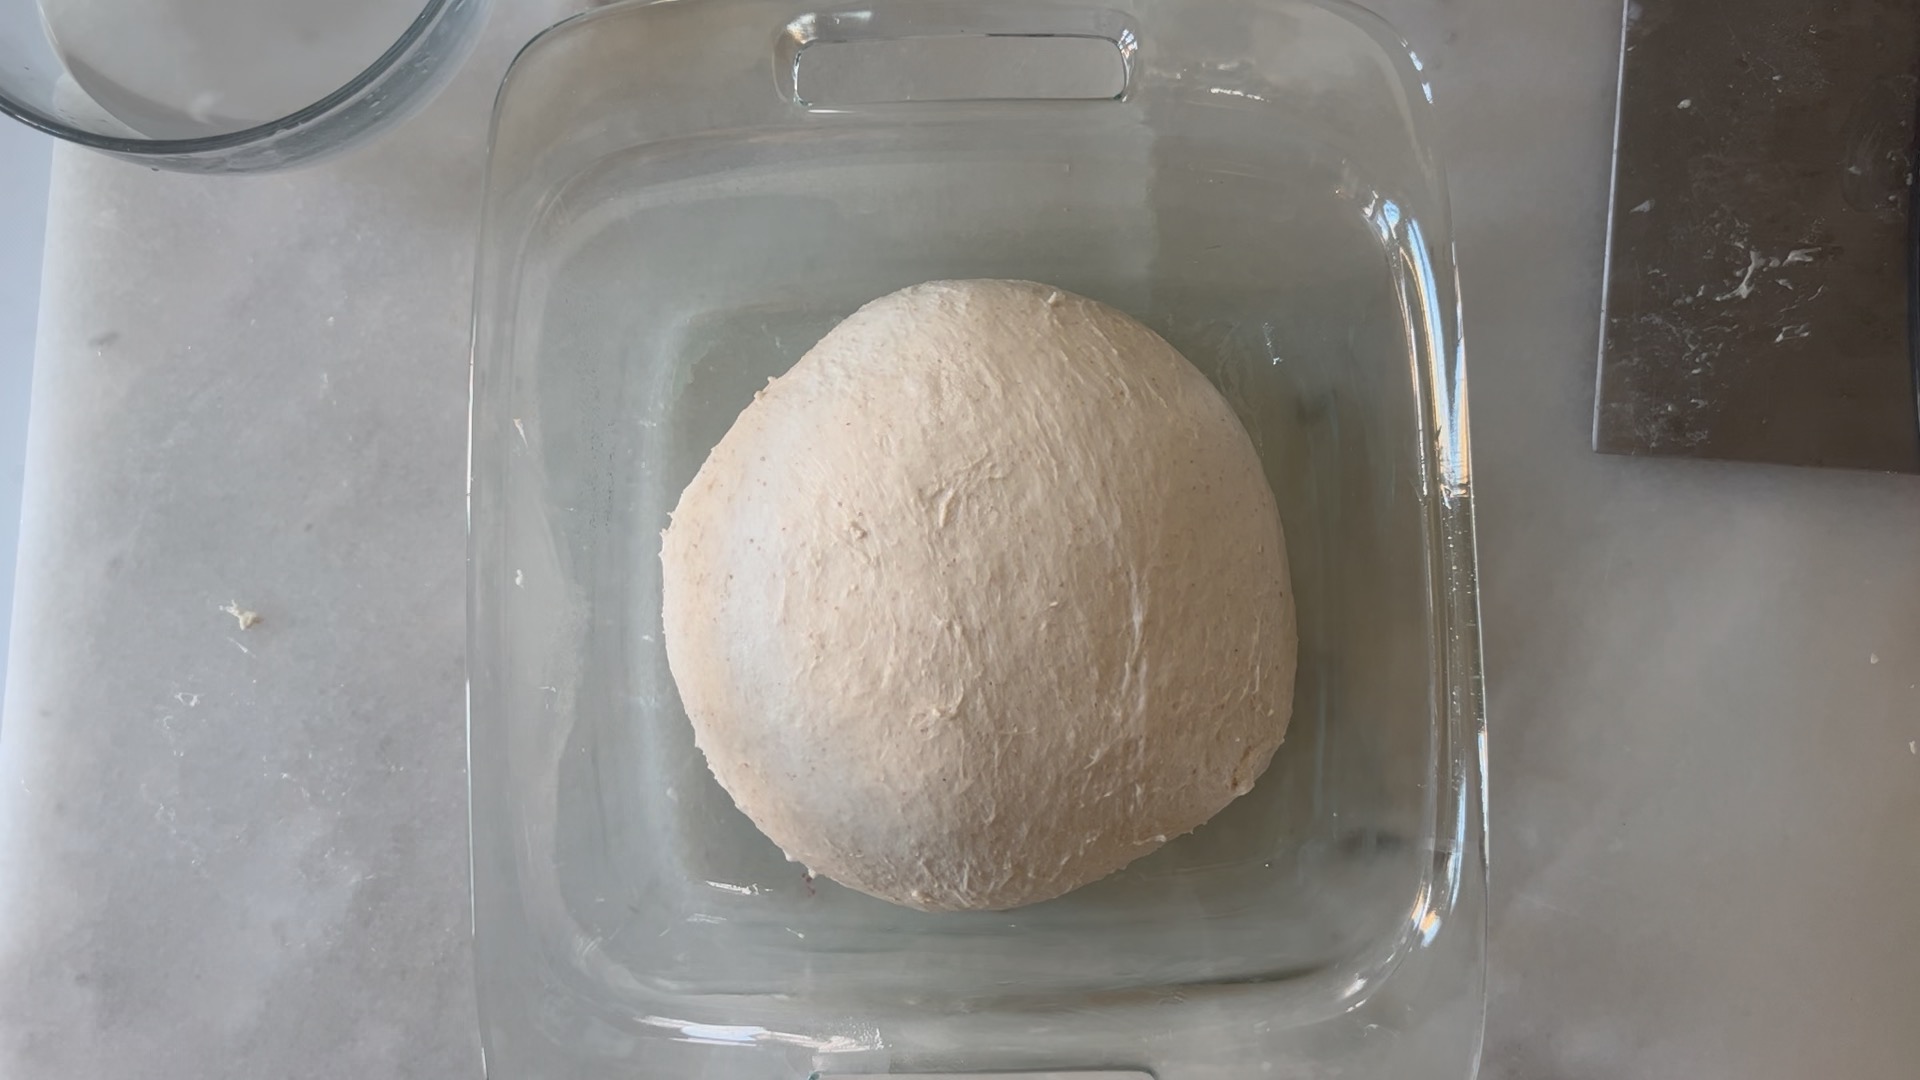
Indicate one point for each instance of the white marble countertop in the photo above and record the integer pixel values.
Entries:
(240, 853)
(25, 161)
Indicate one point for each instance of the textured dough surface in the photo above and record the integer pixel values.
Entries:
(983, 600)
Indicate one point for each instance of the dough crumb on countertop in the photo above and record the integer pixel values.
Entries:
(246, 619)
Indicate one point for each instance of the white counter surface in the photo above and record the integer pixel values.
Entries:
(25, 161)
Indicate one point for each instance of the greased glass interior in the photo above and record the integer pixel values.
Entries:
(1258, 196)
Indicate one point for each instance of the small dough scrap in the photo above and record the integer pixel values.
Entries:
(982, 601)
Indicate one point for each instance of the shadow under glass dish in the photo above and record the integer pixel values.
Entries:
(676, 212)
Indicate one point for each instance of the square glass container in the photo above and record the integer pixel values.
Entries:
(683, 197)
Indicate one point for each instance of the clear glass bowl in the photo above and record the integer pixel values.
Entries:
(225, 85)
(682, 198)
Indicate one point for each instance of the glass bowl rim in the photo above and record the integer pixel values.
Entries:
(429, 15)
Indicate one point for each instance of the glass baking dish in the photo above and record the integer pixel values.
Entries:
(682, 198)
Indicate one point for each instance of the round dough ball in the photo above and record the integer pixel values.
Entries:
(982, 601)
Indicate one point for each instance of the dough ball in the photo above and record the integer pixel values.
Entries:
(982, 601)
